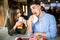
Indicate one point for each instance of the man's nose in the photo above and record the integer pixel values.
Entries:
(33, 11)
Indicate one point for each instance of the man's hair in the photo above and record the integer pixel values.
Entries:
(35, 2)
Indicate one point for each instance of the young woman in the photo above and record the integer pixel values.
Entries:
(16, 24)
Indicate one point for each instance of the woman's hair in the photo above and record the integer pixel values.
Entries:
(12, 13)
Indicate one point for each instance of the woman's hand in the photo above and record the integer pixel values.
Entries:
(20, 20)
(17, 23)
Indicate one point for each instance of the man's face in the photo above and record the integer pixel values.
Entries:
(35, 9)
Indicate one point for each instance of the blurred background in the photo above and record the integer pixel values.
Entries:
(49, 6)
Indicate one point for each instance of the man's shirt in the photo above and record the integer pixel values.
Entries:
(46, 23)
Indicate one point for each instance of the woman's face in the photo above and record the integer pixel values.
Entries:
(18, 14)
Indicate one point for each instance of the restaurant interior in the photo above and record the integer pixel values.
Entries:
(50, 6)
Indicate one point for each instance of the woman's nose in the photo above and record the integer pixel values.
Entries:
(18, 14)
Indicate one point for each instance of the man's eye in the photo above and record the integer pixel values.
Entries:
(33, 7)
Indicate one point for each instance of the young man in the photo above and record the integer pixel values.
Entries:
(45, 25)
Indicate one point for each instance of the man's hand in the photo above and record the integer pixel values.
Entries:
(33, 18)
(40, 33)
